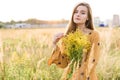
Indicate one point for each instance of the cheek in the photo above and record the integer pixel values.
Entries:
(74, 16)
(85, 18)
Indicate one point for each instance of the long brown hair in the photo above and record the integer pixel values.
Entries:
(71, 27)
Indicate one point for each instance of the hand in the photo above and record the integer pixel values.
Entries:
(57, 37)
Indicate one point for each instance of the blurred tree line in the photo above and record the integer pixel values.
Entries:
(2, 25)
(33, 21)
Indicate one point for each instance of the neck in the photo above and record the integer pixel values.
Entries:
(81, 27)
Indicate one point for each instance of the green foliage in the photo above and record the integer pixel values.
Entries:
(2, 25)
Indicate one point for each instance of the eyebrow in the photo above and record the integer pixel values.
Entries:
(83, 11)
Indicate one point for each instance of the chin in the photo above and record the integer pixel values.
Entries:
(77, 21)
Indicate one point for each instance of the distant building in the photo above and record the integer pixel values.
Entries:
(96, 21)
(116, 21)
(19, 25)
(22, 25)
(109, 23)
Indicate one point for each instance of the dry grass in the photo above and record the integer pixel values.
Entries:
(26, 52)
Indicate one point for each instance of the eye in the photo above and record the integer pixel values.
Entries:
(82, 13)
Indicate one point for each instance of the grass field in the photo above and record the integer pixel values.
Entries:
(24, 54)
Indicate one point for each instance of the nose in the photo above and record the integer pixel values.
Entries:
(78, 14)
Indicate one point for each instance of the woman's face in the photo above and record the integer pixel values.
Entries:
(80, 15)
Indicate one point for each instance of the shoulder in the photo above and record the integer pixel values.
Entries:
(95, 33)
(94, 36)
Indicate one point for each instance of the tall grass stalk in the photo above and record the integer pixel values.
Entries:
(26, 52)
(109, 67)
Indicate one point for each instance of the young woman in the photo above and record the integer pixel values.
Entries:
(81, 19)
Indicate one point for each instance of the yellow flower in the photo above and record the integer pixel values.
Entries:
(84, 50)
(75, 44)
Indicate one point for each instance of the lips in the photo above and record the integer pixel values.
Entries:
(77, 18)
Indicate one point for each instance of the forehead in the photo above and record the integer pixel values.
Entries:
(82, 8)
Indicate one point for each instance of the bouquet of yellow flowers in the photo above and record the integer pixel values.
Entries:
(75, 44)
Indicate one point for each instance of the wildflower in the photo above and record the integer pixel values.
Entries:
(75, 45)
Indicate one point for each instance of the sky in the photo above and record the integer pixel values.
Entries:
(54, 9)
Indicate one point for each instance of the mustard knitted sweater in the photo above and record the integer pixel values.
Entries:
(86, 71)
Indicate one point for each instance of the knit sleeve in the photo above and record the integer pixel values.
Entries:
(57, 58)
(94, 54)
